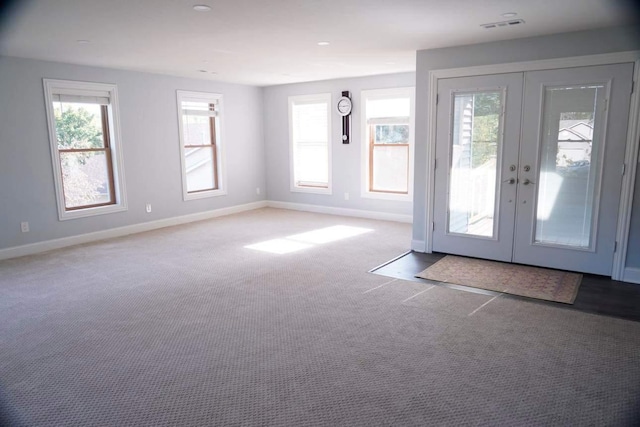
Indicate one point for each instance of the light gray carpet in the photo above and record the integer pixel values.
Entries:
(186, 327)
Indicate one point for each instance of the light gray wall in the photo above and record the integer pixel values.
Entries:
(633, 251)
(526, 49)
(346, 159)
(149, 129)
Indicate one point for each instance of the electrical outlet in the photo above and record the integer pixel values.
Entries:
(148, 207)
(346, 196)
(257, 190)
(24, 226)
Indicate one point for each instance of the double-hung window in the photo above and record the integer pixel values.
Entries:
(85, 147)
(310, 143)
(201, 144)
(387, 118)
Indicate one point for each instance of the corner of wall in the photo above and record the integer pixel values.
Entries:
(419, 246)
(631, 275)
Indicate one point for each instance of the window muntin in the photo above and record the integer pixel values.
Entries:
(387, 146)
(200, 144)
(309, 128)
(84, 137)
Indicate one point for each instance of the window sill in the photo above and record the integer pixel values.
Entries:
(387, 196)
(84, 213)
(312, 190)
(203, 194)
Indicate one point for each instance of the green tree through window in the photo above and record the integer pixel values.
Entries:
(486, 121)
(77, 128)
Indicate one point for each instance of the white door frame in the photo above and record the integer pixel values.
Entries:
(631, 151)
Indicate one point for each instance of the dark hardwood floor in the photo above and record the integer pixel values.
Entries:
(597, 294)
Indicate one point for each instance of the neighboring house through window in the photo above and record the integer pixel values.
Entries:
(85, 147)
(201, 144)
(387, 156)
(309, 143)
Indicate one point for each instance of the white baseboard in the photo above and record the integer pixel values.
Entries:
(359, 213)
(48, 245)
(631, 275)
(419, 246)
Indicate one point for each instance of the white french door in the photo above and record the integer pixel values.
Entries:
(529, 166)
(475, 197)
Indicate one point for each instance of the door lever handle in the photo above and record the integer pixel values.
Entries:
(527, 182)
(510, 181)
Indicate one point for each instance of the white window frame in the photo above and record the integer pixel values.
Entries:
(319, 98)
(377, 94)
(54, 87)
(215, 98)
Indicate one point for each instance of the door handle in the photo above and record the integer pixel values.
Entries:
(510, 181)
(527, 182)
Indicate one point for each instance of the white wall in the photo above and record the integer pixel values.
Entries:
(526, 49)
(346, 159)
(149, 128)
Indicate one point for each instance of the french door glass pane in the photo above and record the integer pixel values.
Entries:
(475, 144)
(390, 165)
(199, 169)
(85, 178)
(569, 176)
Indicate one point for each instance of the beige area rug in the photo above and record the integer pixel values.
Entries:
(532, 282)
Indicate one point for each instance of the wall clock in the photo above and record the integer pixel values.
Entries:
(344, 108)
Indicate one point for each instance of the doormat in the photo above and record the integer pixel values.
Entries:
(532, 282)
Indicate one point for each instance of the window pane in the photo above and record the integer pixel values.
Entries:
(200, 169)
(197, 105)
(311, 162)
(387, 116)
(85, 177)
(78, 125)
(568, 184)
(390, 166)
(474, 151)
(310, 124)
(391, 134)
(196, 129)
(392, 107)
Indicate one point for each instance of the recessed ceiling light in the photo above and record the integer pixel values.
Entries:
(201, 8)
(509, 14)
(83, 41)
(323, 43)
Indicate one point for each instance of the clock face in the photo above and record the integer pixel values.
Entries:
(344, 106)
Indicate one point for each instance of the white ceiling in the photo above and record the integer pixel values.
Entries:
(268, 42)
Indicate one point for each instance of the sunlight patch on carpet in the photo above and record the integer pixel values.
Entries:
(297, 242)
(279, 246)
(329, 234)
